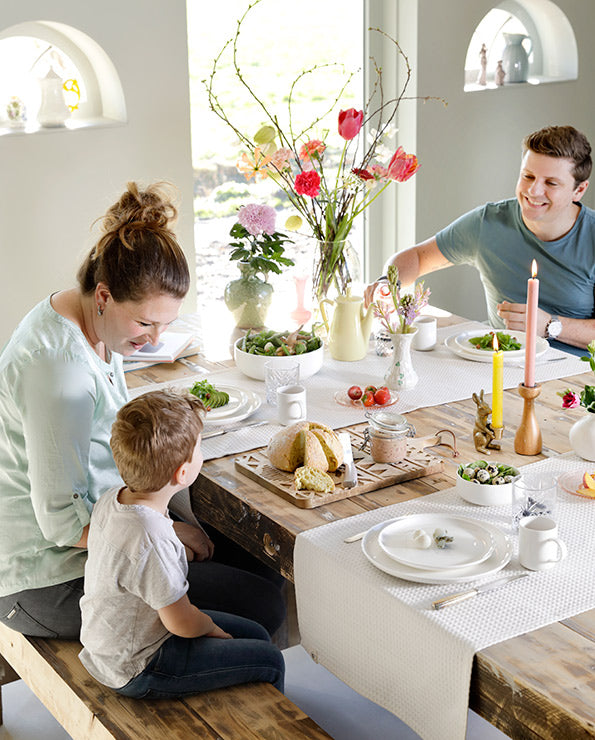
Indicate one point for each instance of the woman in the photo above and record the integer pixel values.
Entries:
(61, 385)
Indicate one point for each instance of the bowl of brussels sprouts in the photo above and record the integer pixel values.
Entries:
(252, 351)
(486, 484)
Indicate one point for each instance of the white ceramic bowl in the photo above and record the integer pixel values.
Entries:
(484, 495)
(253, 365)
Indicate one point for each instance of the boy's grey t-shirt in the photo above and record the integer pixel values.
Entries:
(136, 565)
(494, 239)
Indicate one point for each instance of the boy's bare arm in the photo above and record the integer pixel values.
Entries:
(184, 619)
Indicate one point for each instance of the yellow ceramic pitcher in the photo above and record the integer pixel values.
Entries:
(350, 327)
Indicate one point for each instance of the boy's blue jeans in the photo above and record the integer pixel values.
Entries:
(192, 665)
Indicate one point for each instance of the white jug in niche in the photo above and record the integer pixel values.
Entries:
(53, 110)
(515, 58)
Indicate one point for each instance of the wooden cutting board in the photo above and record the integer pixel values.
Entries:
(371, 475)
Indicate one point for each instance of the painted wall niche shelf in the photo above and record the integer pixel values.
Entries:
(55, 78)
(545, 51)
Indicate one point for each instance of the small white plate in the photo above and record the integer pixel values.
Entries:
(500, 556)
(455, 344)
(472, 543)
(242, 404)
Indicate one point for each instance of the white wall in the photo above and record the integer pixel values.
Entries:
(470, 150)
(54, 184)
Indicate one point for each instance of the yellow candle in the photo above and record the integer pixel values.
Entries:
(497, 385)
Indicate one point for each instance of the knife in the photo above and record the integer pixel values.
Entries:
(237, 427)
(350, 475)
(464, 595)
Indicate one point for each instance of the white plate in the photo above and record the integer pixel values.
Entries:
(242, 404)
(462, 341)
(472, 542)
(455, 344)
(500, 556)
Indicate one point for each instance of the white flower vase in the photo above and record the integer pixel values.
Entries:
(401, 375)
(582, 437)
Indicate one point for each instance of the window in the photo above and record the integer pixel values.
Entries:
(272, 54)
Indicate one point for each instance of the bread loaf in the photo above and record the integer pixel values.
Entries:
(310, 479)
(305, 443)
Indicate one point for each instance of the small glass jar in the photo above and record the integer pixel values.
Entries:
(383, 343)
(387, 435)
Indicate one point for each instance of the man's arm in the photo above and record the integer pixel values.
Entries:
(413, 263)
(576, 332)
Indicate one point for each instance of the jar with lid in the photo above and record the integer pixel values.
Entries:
(386, 435)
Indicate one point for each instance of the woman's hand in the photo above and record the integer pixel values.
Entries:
(195, 540)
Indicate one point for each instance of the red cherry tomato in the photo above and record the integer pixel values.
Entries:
(370, 389)
(368, 398)
(355, 392)
(382, 396)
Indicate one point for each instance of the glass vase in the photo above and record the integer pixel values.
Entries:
(336, 265)
(582, 437)
(248, 298)
(401, 375)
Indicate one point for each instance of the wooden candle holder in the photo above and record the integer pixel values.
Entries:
(527, 440)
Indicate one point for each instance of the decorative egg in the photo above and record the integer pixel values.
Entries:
(492, 470)
(482, 475)
(469, 472)
(498, 481)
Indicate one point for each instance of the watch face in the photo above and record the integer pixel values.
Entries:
(554, 328)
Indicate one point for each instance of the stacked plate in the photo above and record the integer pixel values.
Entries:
(459, 345)
(242, 404)
(477, 550)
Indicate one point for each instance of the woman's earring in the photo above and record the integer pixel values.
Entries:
(99, 310)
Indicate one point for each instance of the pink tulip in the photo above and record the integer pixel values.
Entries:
(402, 165)
(350, 123)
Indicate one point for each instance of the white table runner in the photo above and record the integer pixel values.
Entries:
(443, 377)
(380, 635)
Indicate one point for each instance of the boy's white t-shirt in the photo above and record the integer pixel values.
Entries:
(136, 565)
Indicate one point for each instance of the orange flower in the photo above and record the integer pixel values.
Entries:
(254, 166)
(312, 149)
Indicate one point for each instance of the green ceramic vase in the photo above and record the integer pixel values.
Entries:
(248, 298)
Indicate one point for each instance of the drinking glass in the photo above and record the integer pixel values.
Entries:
(277, 374)
(533, 495)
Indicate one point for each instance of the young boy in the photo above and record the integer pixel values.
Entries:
(140, 633)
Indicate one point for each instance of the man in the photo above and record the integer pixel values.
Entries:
(545, 222)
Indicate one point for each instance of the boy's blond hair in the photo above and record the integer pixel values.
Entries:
(153, 435)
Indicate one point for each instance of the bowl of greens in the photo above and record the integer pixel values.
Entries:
(253, 350)
(486, 484)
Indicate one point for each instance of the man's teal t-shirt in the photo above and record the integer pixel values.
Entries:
(494, 239)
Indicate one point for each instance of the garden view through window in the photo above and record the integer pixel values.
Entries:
(277, 42)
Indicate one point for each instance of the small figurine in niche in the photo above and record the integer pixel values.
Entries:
(483, 63)
(500, 74)
(483, 433)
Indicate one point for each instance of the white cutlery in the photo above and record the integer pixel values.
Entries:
(464, 595)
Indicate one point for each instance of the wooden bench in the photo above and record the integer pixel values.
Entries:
(89, 711)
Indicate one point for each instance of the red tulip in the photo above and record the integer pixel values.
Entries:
(402, 165)
(350, 123)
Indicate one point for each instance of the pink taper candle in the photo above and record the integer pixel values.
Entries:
(531, 326)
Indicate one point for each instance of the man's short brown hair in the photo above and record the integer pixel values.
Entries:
(563, 141)
(153, 435)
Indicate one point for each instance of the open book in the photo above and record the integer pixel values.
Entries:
(171, 345)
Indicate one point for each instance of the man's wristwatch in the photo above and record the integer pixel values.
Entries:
(553, 328)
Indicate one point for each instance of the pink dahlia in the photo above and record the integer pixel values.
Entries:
(257, 219)
(308, 183)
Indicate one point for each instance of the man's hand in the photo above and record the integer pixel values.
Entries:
(195, 540)
(514, 317)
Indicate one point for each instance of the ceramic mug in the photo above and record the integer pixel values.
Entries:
(291, 404)
(425, 337)
(539, 545)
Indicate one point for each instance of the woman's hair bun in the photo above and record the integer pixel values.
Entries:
(136, 210)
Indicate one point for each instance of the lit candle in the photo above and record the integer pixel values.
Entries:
(531, 326)
(497, 384)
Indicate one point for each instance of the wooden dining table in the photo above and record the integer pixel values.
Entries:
(538, 685)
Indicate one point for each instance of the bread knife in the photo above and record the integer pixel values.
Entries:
(350, 475)
(464, 595)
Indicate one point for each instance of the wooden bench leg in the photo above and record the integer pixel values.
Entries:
(7, 675)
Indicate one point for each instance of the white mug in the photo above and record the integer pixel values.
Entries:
(291, 404)
(539, 545)
(425, 336)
